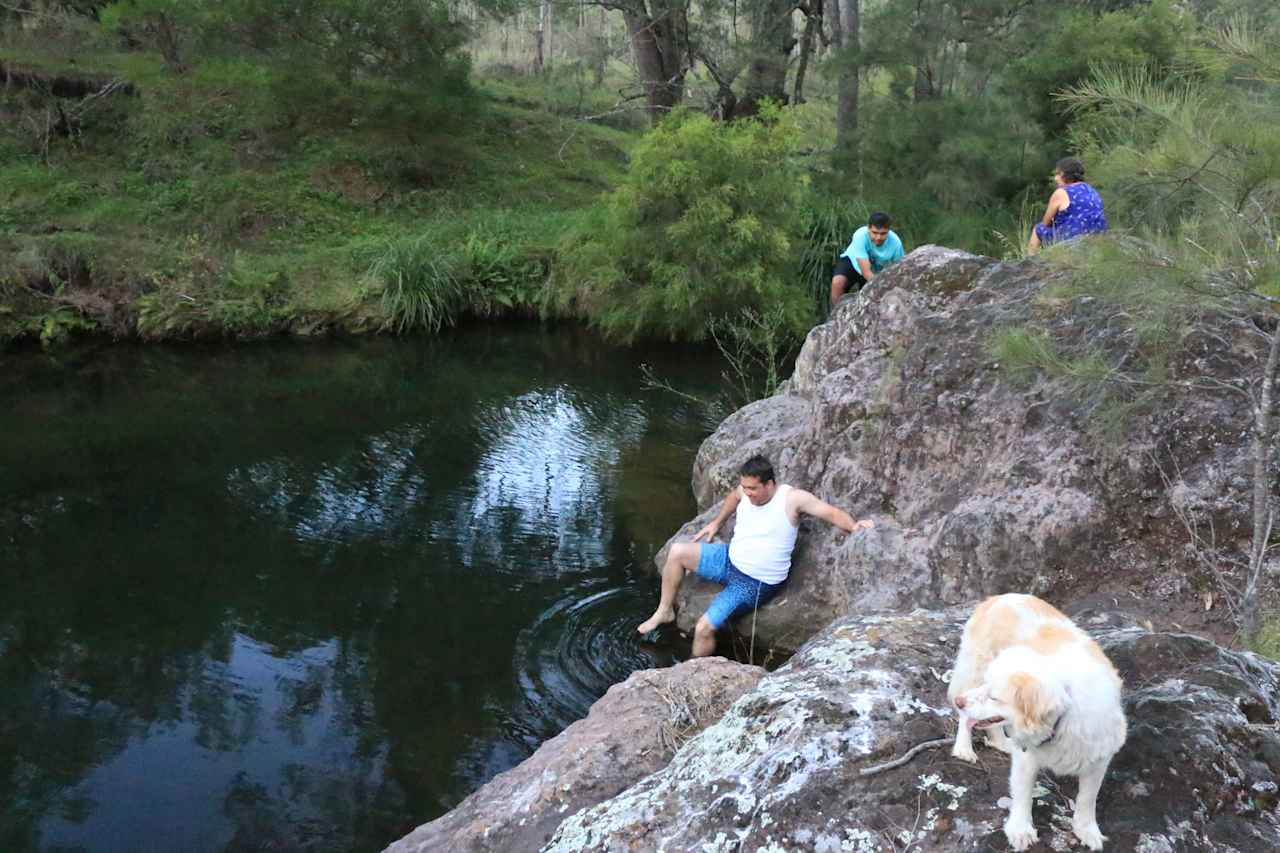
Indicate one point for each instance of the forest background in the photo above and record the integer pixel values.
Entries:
(674, 168)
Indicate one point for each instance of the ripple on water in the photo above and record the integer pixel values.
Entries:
(576, 649)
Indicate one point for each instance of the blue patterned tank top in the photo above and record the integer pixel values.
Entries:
(1083, 216)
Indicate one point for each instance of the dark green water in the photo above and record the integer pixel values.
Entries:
(305, 597)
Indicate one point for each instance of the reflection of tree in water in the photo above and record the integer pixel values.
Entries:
(314, 582)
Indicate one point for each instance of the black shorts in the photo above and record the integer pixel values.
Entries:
(845, 267)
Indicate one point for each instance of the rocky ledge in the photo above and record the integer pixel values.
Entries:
(981, 481)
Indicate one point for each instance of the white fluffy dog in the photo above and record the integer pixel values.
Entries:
(1045, 693)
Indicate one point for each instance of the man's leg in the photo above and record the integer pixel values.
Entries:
(704, 637)
(740, 595)
(681, 559)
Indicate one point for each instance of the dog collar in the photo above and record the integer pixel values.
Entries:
(1053, 732)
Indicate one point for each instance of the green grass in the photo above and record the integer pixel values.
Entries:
(1266, 641)
(201, 215)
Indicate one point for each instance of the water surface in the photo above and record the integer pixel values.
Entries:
(305, 597)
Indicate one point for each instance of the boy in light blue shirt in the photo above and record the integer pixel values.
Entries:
(873, 247)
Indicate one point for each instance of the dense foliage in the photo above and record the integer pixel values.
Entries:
(399, 62)
(701, 229)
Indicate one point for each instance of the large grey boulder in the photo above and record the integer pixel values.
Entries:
(782, 770)
(980, 481)
(629, 733)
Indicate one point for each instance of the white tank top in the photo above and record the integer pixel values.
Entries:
(763, 538)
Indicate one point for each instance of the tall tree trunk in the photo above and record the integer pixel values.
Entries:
(1263, 450)
(924, 87)
(772, 41)
(537, 51)
(846, 24)
(660, 42)
(544, 27)
(812, 26)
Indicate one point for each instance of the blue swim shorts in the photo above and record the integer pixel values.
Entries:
(741, 593)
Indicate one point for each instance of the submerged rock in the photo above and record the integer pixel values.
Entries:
(781, 770)
(979, 482)
(630, 732)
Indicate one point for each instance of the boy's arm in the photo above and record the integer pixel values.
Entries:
(858, 252)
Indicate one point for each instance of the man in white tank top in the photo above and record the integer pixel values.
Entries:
(754, 565)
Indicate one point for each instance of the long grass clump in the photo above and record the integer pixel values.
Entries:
(419, 290)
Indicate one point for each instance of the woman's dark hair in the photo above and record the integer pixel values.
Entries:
(1071, 169)
(757, 466)
(879, 220)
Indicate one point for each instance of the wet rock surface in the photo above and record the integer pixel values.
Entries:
(980, 481)
(629, 733)
(781, 770)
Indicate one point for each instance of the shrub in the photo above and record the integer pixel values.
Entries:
(500, 273)
(704, 226)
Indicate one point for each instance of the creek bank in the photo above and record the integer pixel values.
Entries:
(980, 481)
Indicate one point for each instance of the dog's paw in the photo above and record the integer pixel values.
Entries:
(1089, 834)
(1021, 834)
(964, 753)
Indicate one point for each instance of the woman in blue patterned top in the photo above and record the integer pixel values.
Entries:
(1074, 209)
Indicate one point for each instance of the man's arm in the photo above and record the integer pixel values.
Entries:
(864, 264)
(727, 509)
(808, 504)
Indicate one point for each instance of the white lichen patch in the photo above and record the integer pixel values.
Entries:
(721, 844)
(1153, 844)
(969, 830)
(1137, 790)
(1181, 836)
(860, 841)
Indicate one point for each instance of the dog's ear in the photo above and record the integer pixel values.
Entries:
(1034, 701)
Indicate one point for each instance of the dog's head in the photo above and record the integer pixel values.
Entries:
(1026, 706)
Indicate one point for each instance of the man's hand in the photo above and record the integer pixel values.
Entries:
(865, 524)
(707, 532)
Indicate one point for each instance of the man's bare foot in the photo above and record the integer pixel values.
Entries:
(659, 617)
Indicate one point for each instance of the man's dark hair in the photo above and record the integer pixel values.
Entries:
(1071, 169)
(759, 467)
(880, 219)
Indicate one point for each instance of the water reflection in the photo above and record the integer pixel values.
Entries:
(305, 598)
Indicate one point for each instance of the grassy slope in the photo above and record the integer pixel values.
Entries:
(185, 211)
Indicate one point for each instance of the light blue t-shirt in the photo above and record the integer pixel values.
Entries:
(880, 256)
